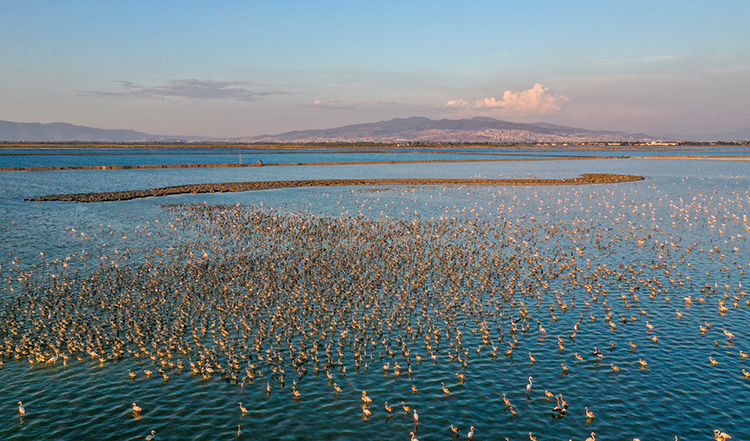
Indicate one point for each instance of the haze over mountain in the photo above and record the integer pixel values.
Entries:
(414, 129)
(63, 132)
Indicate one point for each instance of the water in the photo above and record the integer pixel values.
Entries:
(88, 157)
(686, 212)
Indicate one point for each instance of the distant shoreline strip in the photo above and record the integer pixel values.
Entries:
(590, 178)
(290, 164)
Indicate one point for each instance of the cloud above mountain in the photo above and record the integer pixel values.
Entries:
(538, 100)
(457, 103)
(190, 88)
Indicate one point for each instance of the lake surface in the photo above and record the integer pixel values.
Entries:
(82, 157)
(595, 266)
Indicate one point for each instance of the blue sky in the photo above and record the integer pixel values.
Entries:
(247, 68)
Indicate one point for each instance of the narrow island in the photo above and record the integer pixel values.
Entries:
(589, 178)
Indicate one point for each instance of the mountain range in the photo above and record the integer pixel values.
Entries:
(477, 129)
(63, 132)
(399, 130)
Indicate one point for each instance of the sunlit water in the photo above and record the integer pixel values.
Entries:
(687, 217)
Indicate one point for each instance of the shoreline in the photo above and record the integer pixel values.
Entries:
(588, 178)
(288, 164)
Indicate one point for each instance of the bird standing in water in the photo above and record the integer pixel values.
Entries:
(721, 436)
(528, 386)
(445, 389)
(589, 414)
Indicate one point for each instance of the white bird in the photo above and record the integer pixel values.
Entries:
(528, 386)
(21, 409)
(470, 435)
(152, 436)
(592, 437)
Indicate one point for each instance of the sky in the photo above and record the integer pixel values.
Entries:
(247, 68)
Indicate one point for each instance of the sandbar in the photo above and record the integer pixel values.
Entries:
(589, 178)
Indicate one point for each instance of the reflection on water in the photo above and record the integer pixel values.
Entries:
(387, 290)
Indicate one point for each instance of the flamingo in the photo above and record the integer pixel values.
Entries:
(367, 400)
(721, 436)
(528, 386)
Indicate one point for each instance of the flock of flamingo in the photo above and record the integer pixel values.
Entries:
(255, 297)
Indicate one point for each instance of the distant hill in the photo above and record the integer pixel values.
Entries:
(479, 129)
(62, 132)
(399, 130)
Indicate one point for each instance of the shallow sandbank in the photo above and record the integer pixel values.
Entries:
(593, 178)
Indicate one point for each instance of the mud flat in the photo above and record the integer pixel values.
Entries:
(592, 178)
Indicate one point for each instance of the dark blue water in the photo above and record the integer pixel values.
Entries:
(687, 219)
(80, 157)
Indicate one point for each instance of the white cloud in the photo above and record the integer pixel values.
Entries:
(535, 101)
(336, 104)
(457, 103)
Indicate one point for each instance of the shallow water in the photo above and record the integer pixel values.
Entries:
(703, 204)
(116, 156)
